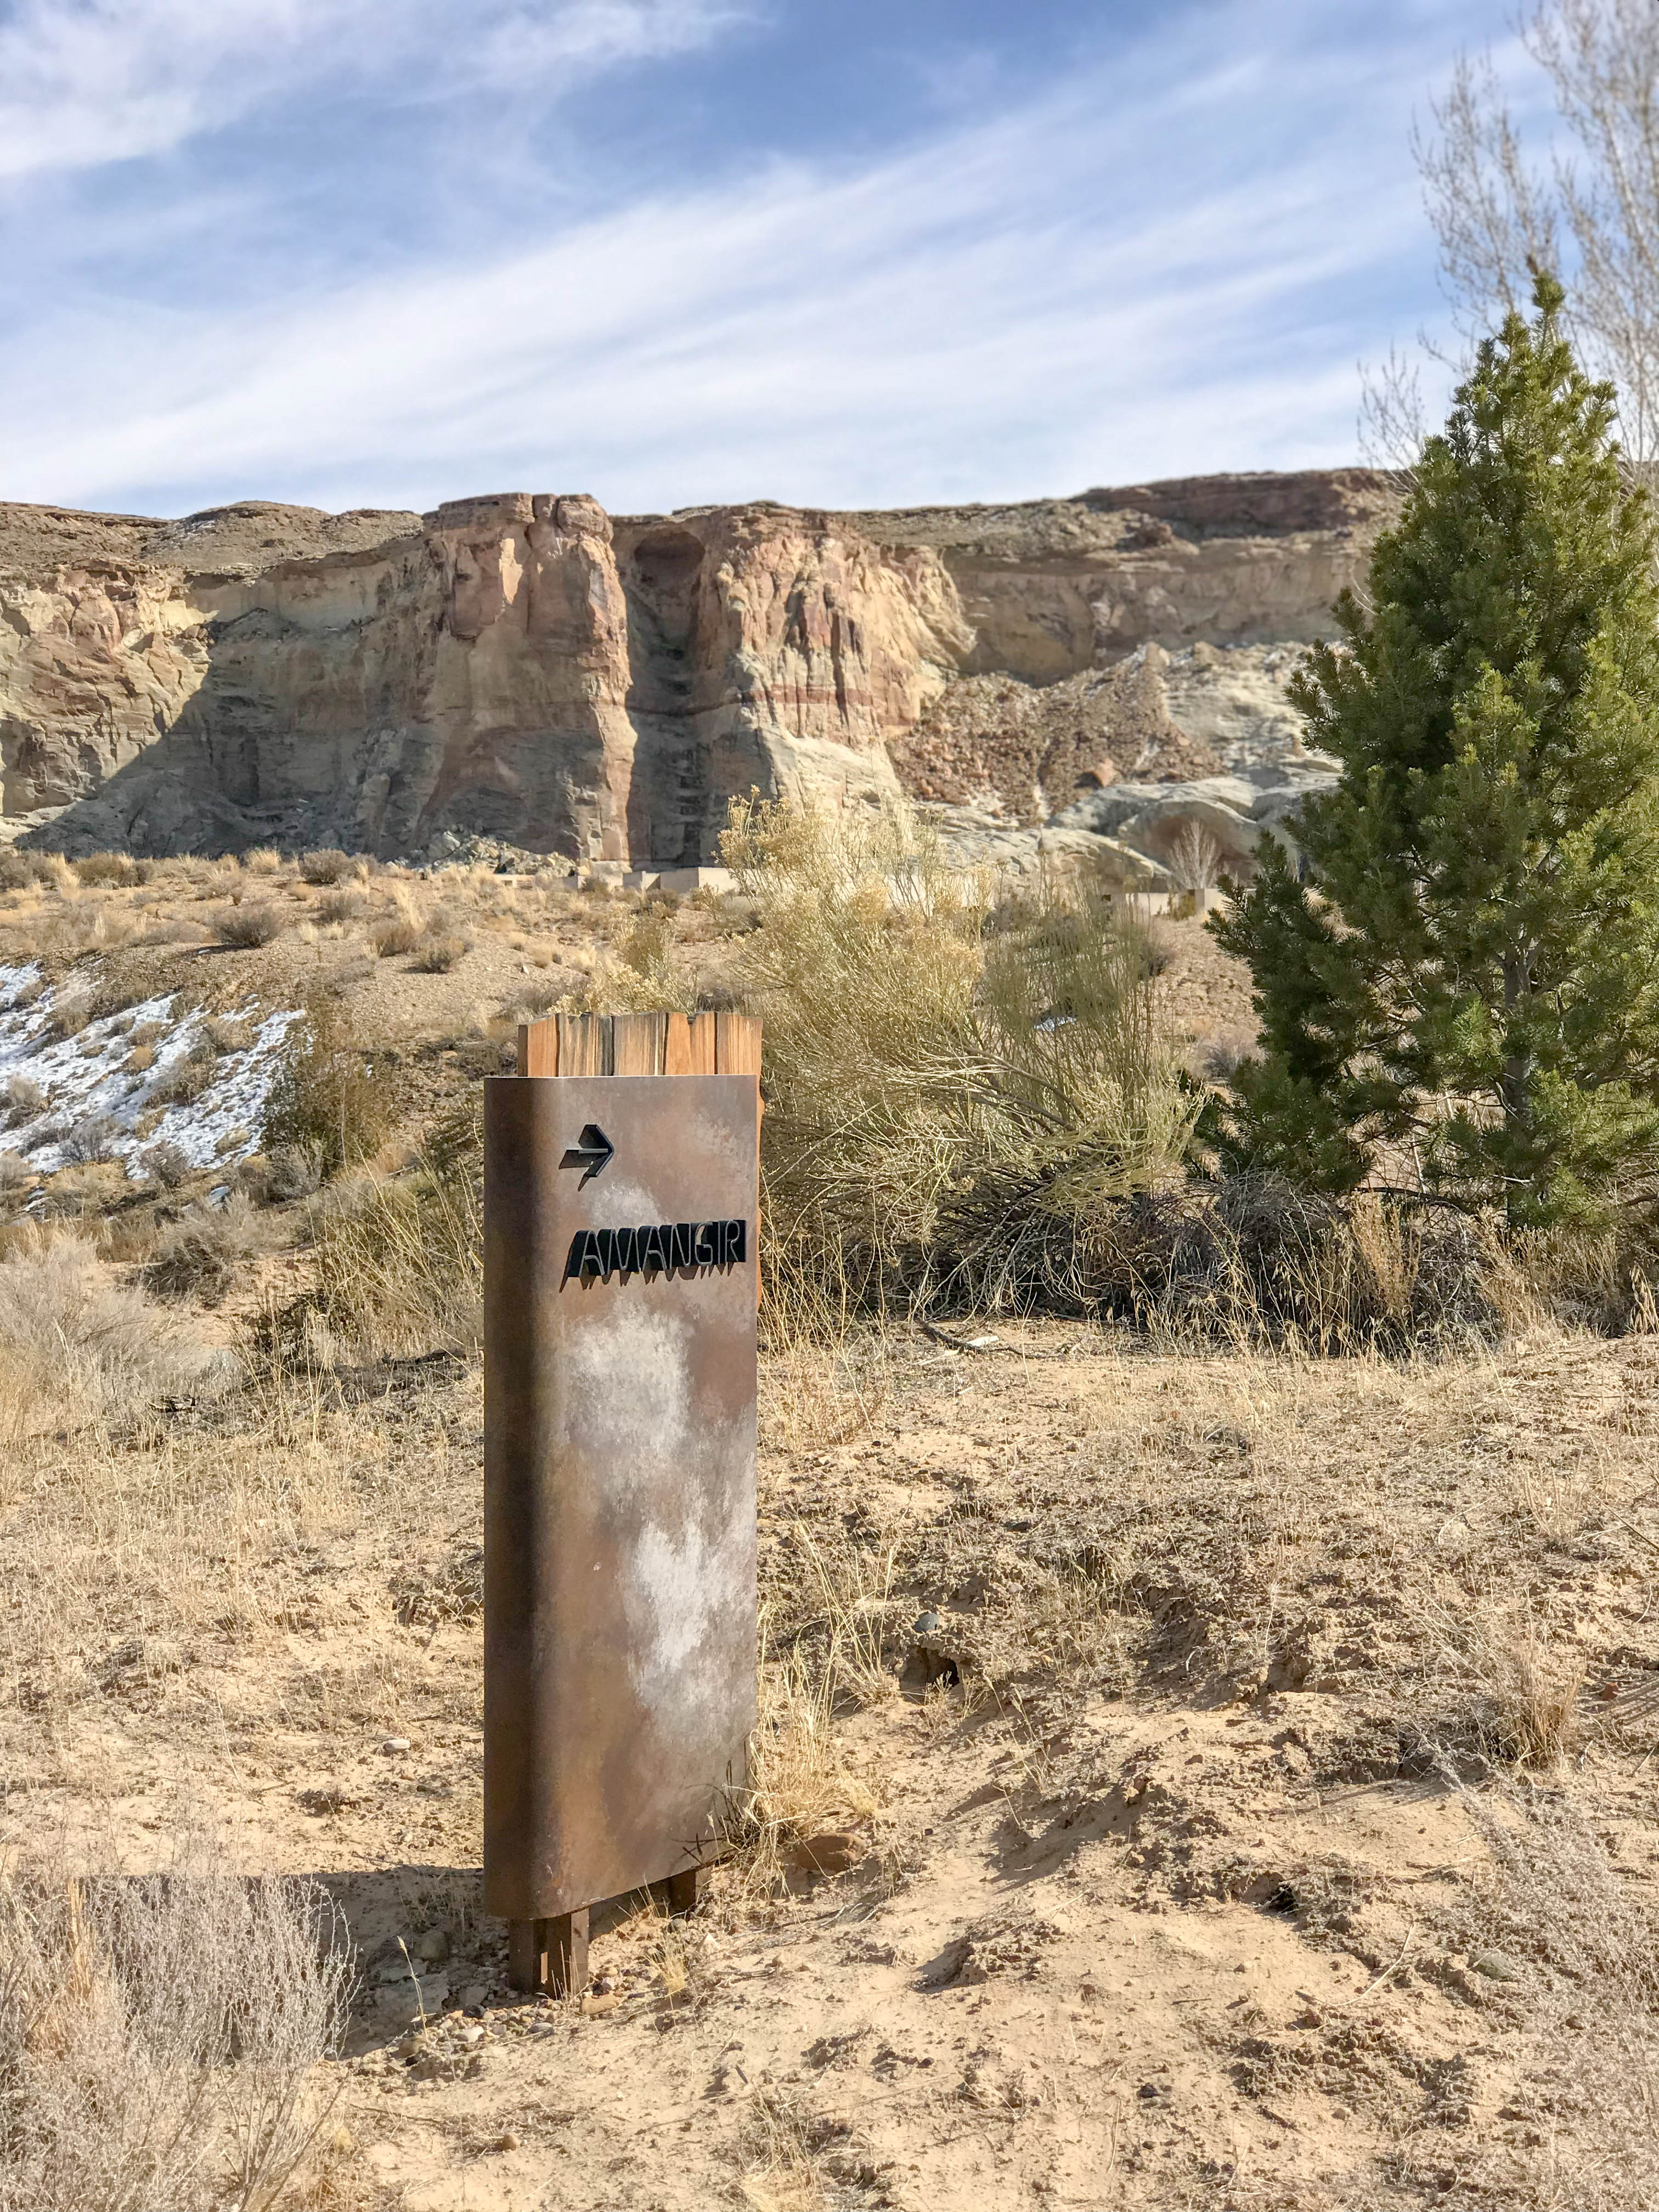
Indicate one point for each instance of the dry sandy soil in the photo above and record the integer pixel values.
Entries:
(1189, 1778)
(1192, 1888)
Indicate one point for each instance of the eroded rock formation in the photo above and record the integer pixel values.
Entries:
(530, 671)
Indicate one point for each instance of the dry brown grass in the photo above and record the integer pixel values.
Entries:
(436, 954)
(324, 1101)
(1119, 1541)
(1582, 1939)
(828, 1373)
(955, 1086)
(324, 867)
(780, 2171)
(399, 1260)
(122, 1546)
(393, 938)
(801, 1782)
(76, 1345)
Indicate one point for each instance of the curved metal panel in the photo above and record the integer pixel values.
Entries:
(619, 1478)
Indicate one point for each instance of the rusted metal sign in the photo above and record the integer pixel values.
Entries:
(619, 1481)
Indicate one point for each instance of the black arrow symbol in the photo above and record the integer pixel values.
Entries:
(592, 1151)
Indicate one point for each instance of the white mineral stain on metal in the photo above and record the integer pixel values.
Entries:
(683, 1579)
(627, 1398)
(713, 1138)
(681, 1597)
(614, 1202)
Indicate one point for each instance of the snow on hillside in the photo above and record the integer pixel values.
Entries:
(84, 1096)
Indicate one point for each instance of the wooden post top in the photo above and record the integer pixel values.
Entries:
(641, 1044)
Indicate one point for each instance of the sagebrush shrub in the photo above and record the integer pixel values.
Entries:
(160, 2035)
(325, 867)
(245, 929)
(326, 1100)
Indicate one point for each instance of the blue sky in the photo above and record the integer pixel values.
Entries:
(834, 252)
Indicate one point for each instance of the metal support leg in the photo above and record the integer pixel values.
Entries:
(548, 1954)
(683, 1892)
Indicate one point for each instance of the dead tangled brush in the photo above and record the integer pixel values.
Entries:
(158, 2036)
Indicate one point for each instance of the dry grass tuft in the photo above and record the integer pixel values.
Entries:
(324, 867)
(109, 868)
(1536, 1687)
(1501, 1692)
(830, 1374)
(436, 955)
(851, 1593)
(188, 1077)
(74, 1345)
(799, 1783)
(393, 938)
(780, 2172)
(324, 1101)
(399, 1260)
(954, 1088)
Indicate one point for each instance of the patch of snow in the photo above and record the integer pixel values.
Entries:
(85, 1078)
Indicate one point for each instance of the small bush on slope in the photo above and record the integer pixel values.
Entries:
(324, 1101)
(245, 929)
(400, 1261)
(201, 1254)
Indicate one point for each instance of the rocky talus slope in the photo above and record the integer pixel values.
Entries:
(529, 672)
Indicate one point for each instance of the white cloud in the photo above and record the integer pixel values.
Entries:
(1164, 267)
(87, 82)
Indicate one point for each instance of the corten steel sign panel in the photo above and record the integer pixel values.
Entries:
(620, 1291)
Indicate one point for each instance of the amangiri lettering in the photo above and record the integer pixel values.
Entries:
(658, 1248)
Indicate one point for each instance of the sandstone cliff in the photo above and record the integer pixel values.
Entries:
(528, 670)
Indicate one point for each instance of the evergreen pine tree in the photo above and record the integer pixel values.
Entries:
(1468, 964)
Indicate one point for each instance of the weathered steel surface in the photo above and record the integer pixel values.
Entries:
(619, 1481)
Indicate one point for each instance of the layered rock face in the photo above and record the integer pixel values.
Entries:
(530, 671)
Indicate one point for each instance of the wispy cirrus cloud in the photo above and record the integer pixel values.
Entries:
(1165, 257)
(87, 82)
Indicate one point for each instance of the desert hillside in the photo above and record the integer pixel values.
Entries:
(1193, 1770)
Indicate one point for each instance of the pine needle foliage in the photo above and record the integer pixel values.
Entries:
(1468, 974)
